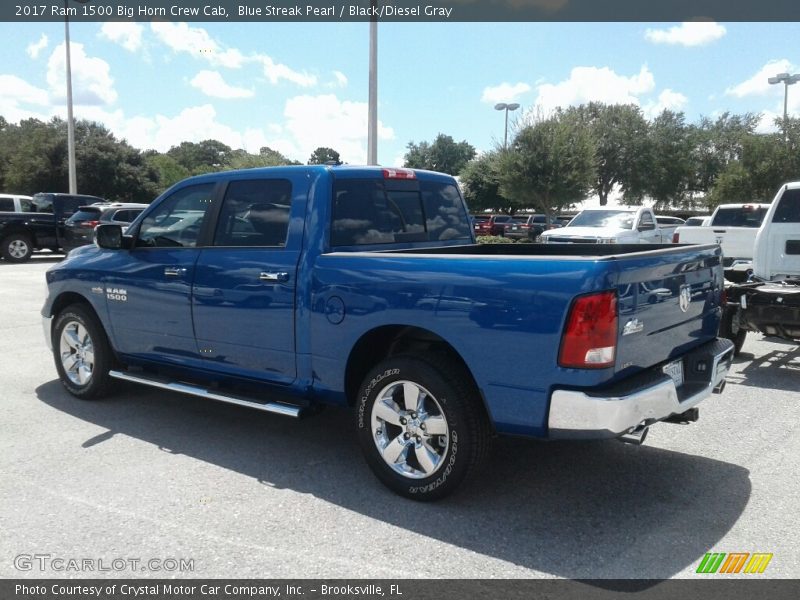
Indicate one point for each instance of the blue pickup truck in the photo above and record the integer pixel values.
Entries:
(284, 289)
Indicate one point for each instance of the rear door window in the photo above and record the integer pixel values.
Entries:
(255, 213)
(6, 205)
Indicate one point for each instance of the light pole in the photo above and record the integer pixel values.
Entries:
(73, 180)
(786, 80)
(372, 111)
(506, 107)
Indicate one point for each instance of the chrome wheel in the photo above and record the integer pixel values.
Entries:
(409, 429)
(77, 353)
(18, 249)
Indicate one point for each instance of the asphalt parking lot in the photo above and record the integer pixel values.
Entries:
(156, 475)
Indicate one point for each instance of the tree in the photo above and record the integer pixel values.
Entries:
(620, 134)
(266, 157)
(671, 174)
(444, 155)
(549, 164)
(323, 155)
(480, 179)
(201, 157)
(168, 170)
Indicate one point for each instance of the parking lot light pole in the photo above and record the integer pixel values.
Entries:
(372, 111)
(786, 80)
(73, 179)
(506, 107)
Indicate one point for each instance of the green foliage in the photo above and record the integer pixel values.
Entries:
(495, 239)
(168, 170)
(444, 155)
(266, 157)
(480, 180)
(322, 155)
(201, 157)
(549, 165)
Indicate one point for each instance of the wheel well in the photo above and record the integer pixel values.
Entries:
(68, 298)
(383, 342)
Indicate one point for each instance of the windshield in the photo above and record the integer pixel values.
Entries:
(620, 219)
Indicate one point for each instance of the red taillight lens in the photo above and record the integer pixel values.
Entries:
(676, 238)
(89, 224)
(590, 338)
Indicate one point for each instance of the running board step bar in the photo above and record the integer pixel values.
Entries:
(280, 408)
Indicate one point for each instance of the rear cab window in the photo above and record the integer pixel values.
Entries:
(745, 216)
(788, 209)
(378, 211)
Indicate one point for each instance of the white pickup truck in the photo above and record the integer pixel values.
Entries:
(770, 303)
(611, 226)
(734, 227)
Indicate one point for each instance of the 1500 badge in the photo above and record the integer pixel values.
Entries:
(118, 294)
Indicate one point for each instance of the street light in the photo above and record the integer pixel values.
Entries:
(73, 180)
(506, 107)
(786, 80)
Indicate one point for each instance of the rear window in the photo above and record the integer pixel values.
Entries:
(739, 217)
(788, 211)
(369, 212)
(85, 214)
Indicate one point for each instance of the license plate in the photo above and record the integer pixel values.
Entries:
(675, 370)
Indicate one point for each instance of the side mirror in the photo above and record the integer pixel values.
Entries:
(108, 236)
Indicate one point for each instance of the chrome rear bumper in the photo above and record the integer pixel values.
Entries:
(642, 400)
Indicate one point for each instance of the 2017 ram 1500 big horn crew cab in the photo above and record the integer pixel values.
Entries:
(286, 288)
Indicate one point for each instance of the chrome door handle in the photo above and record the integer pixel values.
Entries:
(271, 276)
(174, 271)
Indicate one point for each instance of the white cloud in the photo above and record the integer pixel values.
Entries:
(505, 92)
(324, 120)
(587, 84)
(667, 100)
(35, 48)
(276, 71)
(757, 85)
(341, 78)
(212, 84)
(91, 77)
(692, 33)
(127, 35)
(16, 96)
(767, 122)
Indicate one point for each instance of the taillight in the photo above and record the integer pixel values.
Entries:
(676, 238)
(399, 174)
(89, 224)
(590, 337)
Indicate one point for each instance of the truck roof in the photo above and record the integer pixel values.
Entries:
(339, 171)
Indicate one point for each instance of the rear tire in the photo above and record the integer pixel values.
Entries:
(729, 328)
(82, 353)
(17, 247)
(421, 425)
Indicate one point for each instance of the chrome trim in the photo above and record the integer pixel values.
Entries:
(280, 276)
(47, 329)
(575, 414)
(184, 388)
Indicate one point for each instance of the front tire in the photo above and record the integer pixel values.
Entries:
(421, 426)
(729, 328)
(16, 247)
(82, 353)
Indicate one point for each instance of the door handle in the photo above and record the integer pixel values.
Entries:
(272, 276)
(174, 271)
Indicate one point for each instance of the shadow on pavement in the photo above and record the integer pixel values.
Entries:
(775, 370)
(631, 512)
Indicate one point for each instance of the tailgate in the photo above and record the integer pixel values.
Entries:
(668, 303)
(736, 242)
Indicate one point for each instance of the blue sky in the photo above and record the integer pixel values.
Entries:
(294, 87)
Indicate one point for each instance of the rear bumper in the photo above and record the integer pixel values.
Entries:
(641, 400)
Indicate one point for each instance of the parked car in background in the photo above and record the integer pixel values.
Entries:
(667, 227)
(480, 224)
(530, 227)
(696, 221)
(79, 228)
(497, 224)
(734, 227)
(15, 203)
(42, 228)
(609, 226)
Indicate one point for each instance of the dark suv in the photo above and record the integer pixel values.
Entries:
(530, 227)
(79, 228)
